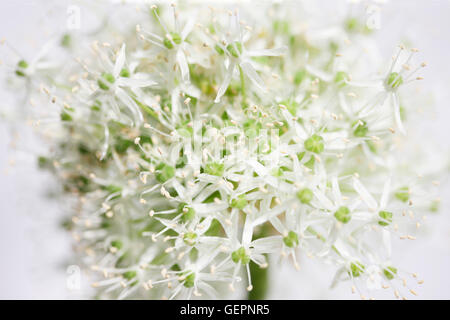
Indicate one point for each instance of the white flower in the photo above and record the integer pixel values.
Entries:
(238, 57)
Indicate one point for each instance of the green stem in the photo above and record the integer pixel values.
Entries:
(260, 281)
(146, 109)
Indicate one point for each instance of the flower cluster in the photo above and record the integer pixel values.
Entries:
(198, 146)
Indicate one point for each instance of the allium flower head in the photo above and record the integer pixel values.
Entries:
(197, 146)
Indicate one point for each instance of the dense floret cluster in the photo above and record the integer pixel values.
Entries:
(200, 144)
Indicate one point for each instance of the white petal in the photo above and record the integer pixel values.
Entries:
(258, 167)
(362, 215)
(178, 188)
(127, 292)
(182, 63)
(190, 90)
(209, 290)
(386, 236)
(365, 195)
(205, 208)
(187, 28)
(131, 105)
(267, 244)
(370, 107)
(276, 223)
(267, 52)
(324, 201)
(374, 279)
(175, 100)
(43, 52)
(105, 142)
(319, 73)
(343, 103)
(337, 277)
(135, 83)
(271, 213)
(398, 120)
(213, 241)
(120, 61)
(385, 195)
(260, 258)
(372, 84)
(170, 224)
(336, 191)
(248, 231)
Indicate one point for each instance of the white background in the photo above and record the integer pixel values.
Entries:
(34, 251)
